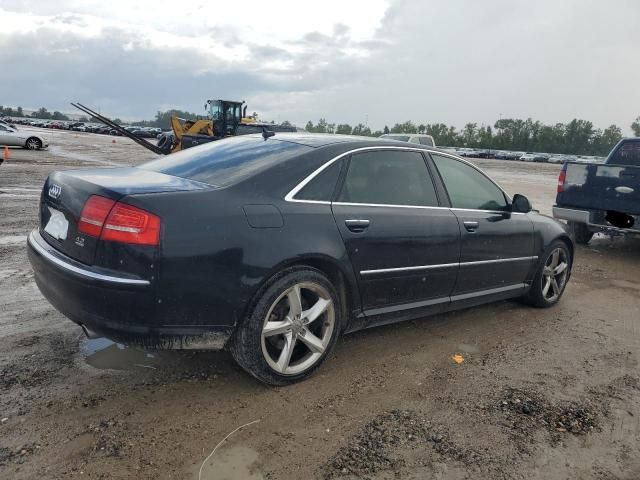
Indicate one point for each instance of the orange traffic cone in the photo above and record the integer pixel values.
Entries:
(7, 154)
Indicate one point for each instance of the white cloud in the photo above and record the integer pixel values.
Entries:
(348, 61)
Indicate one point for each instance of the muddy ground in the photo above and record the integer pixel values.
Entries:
(545, 394)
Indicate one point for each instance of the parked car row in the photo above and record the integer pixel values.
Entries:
(522, 156)
(145, 132)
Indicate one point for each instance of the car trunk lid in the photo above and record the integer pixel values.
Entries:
(65, 194)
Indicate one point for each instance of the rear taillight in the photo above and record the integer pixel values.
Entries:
(118, 222)
(94, 214)
(561, 180)
(128, 224)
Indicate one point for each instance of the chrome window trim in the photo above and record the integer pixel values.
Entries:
(81, 271)
(290, 197)
(352, 204)
(447, 265)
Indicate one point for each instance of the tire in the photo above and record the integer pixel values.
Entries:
(580, 232)
(282, 340)
(165, 142)
(551, 279)
(33, 143)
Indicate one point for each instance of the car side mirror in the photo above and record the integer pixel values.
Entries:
(520, 204)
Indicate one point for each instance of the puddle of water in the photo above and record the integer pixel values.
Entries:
(234, 463)
(467, 348)
(105, 354)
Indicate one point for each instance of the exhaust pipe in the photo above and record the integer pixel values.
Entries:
(89, 333)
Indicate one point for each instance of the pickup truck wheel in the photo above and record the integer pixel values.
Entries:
(291, 328)
(551, 277)
(580, 232)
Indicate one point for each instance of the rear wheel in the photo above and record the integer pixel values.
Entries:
(580, 232)
(552, 276)
(33, 143)
(291, 328)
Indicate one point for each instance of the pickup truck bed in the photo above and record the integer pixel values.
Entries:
(602, 197)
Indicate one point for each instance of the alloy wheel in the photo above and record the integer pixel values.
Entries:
(298, 328)
(554, 274)
(33, 144)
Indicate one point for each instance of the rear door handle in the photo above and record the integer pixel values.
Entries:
(357, 225)
(471, 226)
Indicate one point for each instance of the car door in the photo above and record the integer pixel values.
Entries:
(403, 246)
(497, 245)
(6, 138)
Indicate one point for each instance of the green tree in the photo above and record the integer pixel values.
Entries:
(386, 130)
(309, 127)
(406, 127)
(19, 112)
(59, 116)
(469, 135)
(344, 129)
(635, 126)
(361, 129)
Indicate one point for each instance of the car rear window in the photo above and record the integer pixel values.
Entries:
(226, 162)
(627, 154)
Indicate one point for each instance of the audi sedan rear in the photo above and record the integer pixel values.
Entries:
(274, 247)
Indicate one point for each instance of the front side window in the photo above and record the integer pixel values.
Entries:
(467, 187)
(388, 177)
(426, 141)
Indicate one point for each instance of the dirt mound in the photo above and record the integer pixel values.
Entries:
(375, 447)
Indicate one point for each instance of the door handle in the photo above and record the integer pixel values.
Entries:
(357, 225)
(471, 226)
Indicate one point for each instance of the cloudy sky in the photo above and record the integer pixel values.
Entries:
(371, 61)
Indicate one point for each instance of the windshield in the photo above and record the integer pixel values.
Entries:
(226, 162)
(401, 138)
(215, 110)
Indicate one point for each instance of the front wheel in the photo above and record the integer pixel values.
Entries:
(33, 143)
(291, 328)
(552, 276)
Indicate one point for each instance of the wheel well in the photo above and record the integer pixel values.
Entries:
(328, 268)
(34, 138)
(569, 245)
(335, 275)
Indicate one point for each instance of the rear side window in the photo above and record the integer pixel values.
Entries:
(627, 154)
(426, 141)
(226, 162)
(388, 177)
(322, 186)
(467, 187)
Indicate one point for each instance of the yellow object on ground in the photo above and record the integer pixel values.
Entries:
(458, 359)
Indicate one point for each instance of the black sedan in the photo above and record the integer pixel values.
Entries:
(274, 247)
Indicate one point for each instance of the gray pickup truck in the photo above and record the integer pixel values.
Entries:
(602, 197)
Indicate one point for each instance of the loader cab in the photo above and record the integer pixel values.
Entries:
(226, 115)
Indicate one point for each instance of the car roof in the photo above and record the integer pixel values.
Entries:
(316, 140)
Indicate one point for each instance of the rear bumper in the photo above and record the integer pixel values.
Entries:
(120, 307)
(593, 219)
(571, 215)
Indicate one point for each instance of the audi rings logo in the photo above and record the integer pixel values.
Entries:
(55, 191)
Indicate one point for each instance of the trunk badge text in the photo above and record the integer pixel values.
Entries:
(55, 191)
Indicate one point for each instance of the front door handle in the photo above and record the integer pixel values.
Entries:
(357, 225)
(471, 226)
